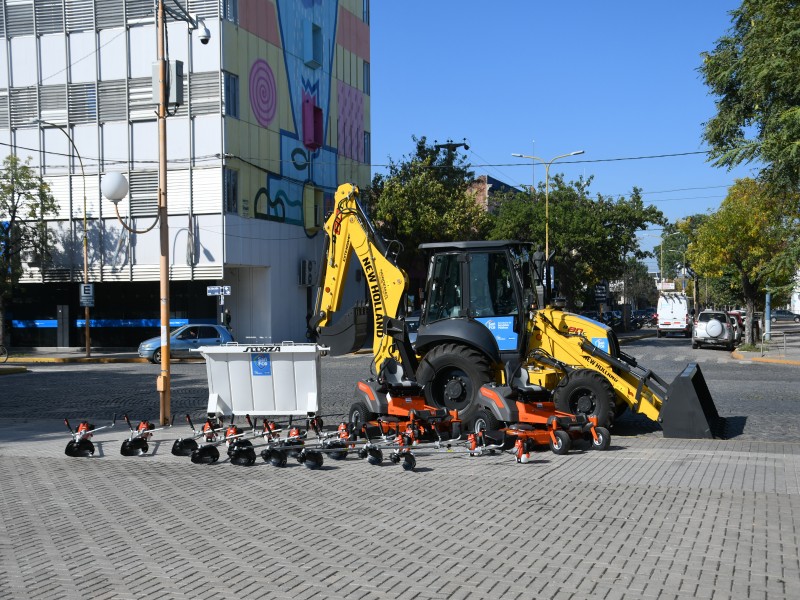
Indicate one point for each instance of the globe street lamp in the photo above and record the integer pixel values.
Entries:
(85, 235)
(547, 193)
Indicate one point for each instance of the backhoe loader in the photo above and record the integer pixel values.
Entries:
(486, 318)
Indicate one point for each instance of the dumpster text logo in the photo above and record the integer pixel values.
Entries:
(261, 364)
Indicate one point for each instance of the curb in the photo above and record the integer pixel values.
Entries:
(99, 359)
(762, 359)
(12, 370)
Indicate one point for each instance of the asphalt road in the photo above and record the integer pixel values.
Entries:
(759, 400)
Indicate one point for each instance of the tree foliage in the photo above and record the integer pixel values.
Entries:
(25, 201)
(750, 228)
(591, 238)
(753, 73)
(425, 197)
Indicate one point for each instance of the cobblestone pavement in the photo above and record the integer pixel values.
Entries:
(652, 518)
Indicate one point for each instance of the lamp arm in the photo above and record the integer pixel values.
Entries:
(119, 218)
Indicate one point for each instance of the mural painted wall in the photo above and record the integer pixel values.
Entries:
(303, 106)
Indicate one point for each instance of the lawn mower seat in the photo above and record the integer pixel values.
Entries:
(520, 384)
(394, 378)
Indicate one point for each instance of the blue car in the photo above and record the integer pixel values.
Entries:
(184, 339)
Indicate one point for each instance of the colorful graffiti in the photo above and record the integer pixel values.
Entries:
(305, 158)
(263, 92)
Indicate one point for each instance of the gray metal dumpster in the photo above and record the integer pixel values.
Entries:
(265, 379)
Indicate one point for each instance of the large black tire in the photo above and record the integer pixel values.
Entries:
(588, 393)
(359, 415)
(453, 375)
(484, 420)
(156, 356)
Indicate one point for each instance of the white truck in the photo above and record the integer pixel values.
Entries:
(674, 314)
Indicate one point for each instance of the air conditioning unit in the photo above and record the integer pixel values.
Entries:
(307, 269)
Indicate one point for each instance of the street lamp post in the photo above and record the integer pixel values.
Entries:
(163, 383)
(547, 193)
(85, 234)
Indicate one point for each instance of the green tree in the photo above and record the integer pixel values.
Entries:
(742, 237)
(753, 73)
(25, 202)
(425, 198)
(638, 285)
(591, 238)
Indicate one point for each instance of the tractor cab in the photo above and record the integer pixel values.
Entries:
(479, 292)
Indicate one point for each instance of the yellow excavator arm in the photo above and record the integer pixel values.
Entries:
(349, 231)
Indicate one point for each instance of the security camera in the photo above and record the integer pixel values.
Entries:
(202, 31)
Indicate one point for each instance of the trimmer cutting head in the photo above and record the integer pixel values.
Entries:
(205, 455)
(184, 447)
(135, 447)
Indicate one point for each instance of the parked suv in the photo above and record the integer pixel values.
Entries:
(713, 328)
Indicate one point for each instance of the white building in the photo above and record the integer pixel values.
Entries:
(274, 115)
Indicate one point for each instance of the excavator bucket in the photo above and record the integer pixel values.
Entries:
(349, 333)
(689, 411)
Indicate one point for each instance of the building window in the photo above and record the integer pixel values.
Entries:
(231, 10)
(231, 190)
(231, 95)
(312, 45)
(366, 78)
(367, 149)
(365, 11)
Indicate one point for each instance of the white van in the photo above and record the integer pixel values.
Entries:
(674, 314)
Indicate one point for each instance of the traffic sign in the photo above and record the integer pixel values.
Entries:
(218, 290)
(600, 293)
(87, 294)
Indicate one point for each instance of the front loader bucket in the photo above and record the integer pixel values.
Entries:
(348, 334)
(689, 411)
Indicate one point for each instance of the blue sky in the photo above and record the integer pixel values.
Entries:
(615, 79)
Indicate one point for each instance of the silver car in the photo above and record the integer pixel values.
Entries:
(713, 328)
(184, 339)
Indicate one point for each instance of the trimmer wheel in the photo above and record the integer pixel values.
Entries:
(409, 462)
(603, 440)
(374, 456)
(266, 454)
(134, 447)
(362, 453)
(277, 458)
(82, 448)
(312, 459)
(184, 447)
(242, 455)
(394, 457)
(562, 444)
(237, 445)
(205, 455)
(338, 454)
